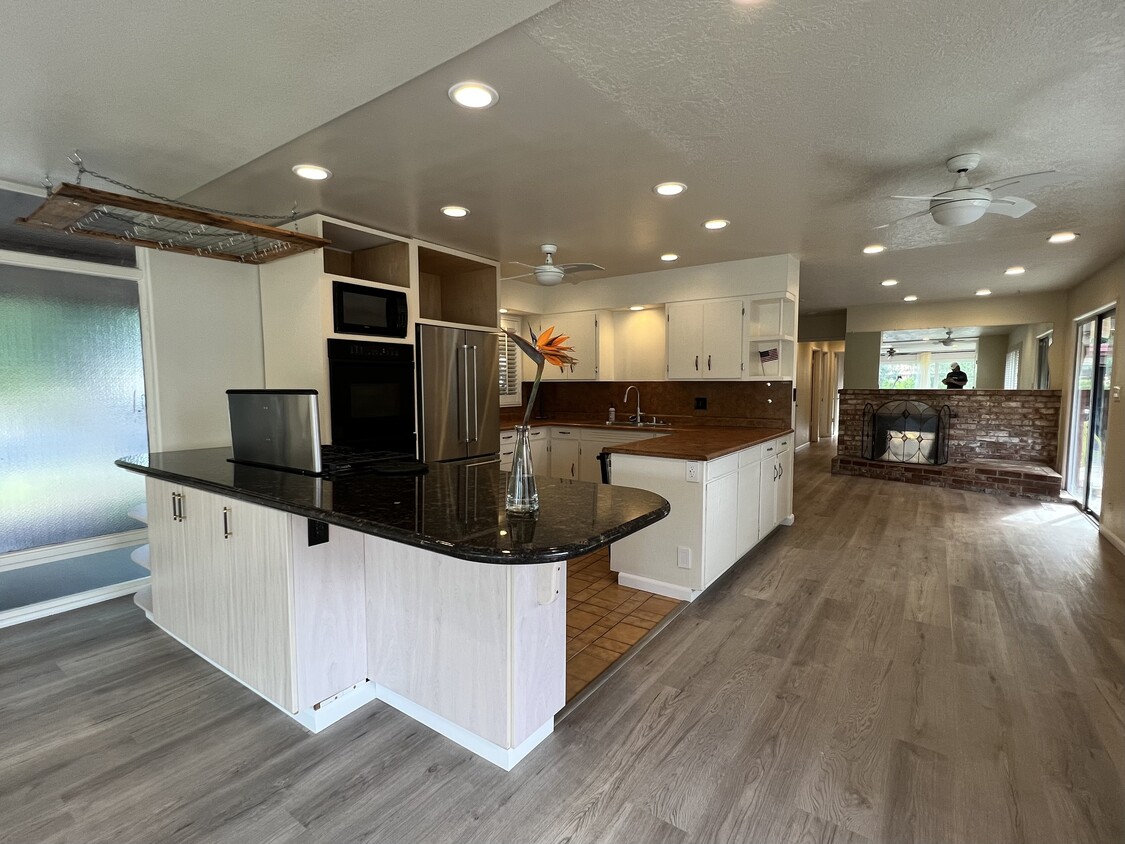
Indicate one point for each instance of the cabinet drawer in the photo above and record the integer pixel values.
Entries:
(537, 434)
(769, 449)
(749, 455)
(507, 437)
(783, 443)
(566, 433)
(722, 466)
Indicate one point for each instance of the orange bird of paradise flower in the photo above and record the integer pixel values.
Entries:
(546, 348)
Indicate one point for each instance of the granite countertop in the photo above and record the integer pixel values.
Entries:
(678, 442)
(700, 443)
(456, 510)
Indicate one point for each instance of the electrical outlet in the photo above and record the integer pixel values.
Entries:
(683, 557)
(1116, 393)
(693, 472)
(701, 402)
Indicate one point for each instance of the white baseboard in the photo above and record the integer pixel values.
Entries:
(802, 445)
(658, 587)
(788, 520)
(326, 713)
(506, 758)
(71, 602)
(1114, 540)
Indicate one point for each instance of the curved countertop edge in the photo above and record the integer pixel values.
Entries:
(476, 554)
(699, 443)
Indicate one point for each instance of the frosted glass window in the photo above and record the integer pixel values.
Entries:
(71, 402)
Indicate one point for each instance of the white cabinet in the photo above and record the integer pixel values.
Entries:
(771, 338)
(240, 584)
(540, 450)
(776, 485)
(591, 335)
(566, 450)
(749, 495)
(720, 527)
(705, 339)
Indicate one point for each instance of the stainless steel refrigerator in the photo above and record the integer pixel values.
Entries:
(458, 393)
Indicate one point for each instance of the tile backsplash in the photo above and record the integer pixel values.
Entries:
(737, 403)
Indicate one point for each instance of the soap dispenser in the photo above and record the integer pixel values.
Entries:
(612, 412)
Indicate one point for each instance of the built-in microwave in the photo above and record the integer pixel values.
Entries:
(374, 311)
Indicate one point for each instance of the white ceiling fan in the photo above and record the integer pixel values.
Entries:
(965, 203)
(948, 339)
(549, 273)
(890, 352)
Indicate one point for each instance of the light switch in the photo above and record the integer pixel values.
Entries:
(1116, 392)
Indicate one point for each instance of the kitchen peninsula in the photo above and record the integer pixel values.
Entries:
(322, 595)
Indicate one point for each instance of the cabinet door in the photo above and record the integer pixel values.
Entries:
(205, 585)
(589, 468)
(583, 330)
(540, 455)
(785, 485)
(258, 601)
(168, 557)
(719, 526)
(685, 340)
(722, 339)
(767, 502)
(564, 458)
(749, 493)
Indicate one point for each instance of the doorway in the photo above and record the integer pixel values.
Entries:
(1090, 410)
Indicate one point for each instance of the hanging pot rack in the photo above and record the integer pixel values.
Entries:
(89, 212)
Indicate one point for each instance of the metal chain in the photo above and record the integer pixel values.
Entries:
(76, 160)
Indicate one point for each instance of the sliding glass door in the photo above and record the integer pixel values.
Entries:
(1090, 410)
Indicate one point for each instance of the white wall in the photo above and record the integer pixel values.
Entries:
(202, 325)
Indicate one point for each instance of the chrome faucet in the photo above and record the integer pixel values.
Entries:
(639, 419)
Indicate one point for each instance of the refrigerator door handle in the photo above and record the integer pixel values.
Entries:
(463, 396)
(475, 394)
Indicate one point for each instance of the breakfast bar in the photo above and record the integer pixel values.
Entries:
(323, 594)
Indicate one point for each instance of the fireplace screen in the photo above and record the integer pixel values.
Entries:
(904, 431)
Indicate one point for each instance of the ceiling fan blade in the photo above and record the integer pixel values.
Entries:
(907, 217)
(1026, 181)
(578, 268)
(514, 277)
(522, 264)
(919, 198)
(1010, 206)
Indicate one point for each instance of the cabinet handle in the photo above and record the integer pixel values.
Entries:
(176, 507)
(708, 363)
(226, 523)
(780, 470)
(572, 470)
(775, 471)
(697, 363)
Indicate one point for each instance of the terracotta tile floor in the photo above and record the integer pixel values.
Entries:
(603, 618)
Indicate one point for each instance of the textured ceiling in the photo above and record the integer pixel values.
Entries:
(796, 119)
(172, 95)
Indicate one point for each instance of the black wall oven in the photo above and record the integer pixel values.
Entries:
(371, 393)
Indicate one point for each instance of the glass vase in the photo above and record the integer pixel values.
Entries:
(523, 496)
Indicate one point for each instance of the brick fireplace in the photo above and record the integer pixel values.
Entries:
(1003, 442)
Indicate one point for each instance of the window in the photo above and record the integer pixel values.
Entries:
(1012, 370)
(510, 364)
(1043, 364)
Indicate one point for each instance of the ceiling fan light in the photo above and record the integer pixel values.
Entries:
(549, 276)
(959, 212)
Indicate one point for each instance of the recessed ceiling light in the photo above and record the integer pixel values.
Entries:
(503, 310)
(1014, 271)
(1062, 237)
(873, 249)
(636, 307)
(473, 95)
(984, 291)
(454, 211)
(890, 282)
(312, 171)
(910, 298)
(669, 256)
(715, 225)
(670, 188)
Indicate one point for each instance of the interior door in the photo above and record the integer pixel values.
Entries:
(1090, 410)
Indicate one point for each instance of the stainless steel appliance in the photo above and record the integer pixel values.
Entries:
(458, 393)
(276, 428)
(371, 386)
(376, 311)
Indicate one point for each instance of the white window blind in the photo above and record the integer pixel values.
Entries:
(1012, 370)
(510, 364)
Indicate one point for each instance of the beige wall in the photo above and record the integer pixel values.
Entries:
(831, 325)
(1026, 339)
(803, 412)
(861, 366)
(991, 350)
(202, 325)
(1106, 287)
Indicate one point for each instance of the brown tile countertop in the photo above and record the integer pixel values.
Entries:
(699, 443)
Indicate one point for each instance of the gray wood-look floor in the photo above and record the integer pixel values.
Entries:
(904, 664)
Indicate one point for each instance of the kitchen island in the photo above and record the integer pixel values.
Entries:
(323, 595)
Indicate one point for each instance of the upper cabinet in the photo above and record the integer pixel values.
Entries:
(591, 335)
(365, 255)
(705, 339)
(457, 288)
(771, 338)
